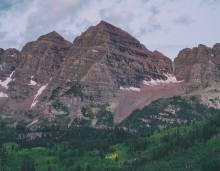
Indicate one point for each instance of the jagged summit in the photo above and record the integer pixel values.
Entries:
(110, 28)
(198, 66)
(105, 33)
(45, 41)
(104, 23)
(119, 51)
(49, 39)
(42, 57)
(52, 36)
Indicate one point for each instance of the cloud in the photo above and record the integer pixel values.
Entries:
(6, 4)
(184, 20)
(164, 25)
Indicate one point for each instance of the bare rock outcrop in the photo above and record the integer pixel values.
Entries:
(198, 67)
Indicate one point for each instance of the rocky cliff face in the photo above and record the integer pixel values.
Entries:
(9, 60)
(97, 80)
(43, 57)
(56, 78)
(41, 61)
(199, 66)
(123, 59)
(38, 62)
(102, 61)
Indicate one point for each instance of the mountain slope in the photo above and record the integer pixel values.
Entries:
(56, 78)
(165, 113)
(199, 66)
(104, 74)
(190, 147)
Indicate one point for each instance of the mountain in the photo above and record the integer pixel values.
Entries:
(199, 66)
(106, 61)
(9, 60)
(99, 79)
(38, 62)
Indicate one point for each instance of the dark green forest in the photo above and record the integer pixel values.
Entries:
(193, 146)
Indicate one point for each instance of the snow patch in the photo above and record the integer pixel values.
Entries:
(39, 92)
(94, 121)
(170, 79)
(32, 82)
(7, 81)
(32, 123)
(95, 51)
(130, 89)
(3, 94)
(70, 123)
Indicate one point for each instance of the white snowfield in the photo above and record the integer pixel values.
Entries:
(39, 92)
(32, 82)
(3, 94)
(7, 81)
(170, 79)
(130, 89)
(95, 51)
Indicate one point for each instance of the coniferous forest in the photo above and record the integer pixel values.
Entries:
(193, 146)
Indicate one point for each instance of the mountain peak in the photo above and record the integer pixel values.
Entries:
(103, 33)
(51, 36)
(47, 39)
(217, 45)
(103, 24)
(201, 46)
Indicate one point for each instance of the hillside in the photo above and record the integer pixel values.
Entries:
(165, 113)
(194, 146)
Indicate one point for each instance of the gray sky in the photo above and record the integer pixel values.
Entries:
(165, 25)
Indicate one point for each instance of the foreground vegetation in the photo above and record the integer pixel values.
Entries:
(194, 146)
(164, 113)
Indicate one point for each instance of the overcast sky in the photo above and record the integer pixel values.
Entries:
(165, 25)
